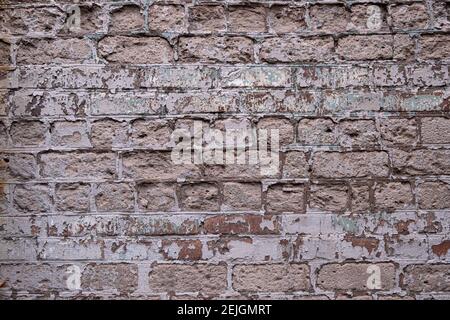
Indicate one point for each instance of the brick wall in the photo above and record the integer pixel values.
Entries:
(92, 205)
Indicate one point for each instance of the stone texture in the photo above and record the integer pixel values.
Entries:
(43, 51)
(426, 278)
(127, 18)
(157, 197)
(241, 196)
(167, 18)
(72, 197)
(114, 197)
(285, 198)
(200, 197)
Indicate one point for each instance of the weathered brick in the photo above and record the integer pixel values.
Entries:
(122, 277)
(124, 103)
(114, 197)
(435, 130)
(428, 75)
(200, 197)
(16, 166)
(78, 165)
(398, 131)
(284, 19)
(71, 249)
(18, 249)
(433, 195)
(256, 77)
(316, 132)
(156, 165)
(295, 165)
(354, 276)
(167, 18)
(187, 250)
(30, 20)
(28, 133)
(151, 133)
(393, 196)
(372, 47)
(72, 197)
(332, 76)
(127, 18)
(185, 77)
(329, 18)
(350, 164)
(201, 102)
(247, 18)
(207, 18)
(283, 126)
(241, 196)
(5, 53)
(368, 18)
(294, 49)
(285, 198)
(216, 49)
(242, 224)
(358, 134)
(138, 50)
(22, 227)
(404, 47)
(91, 16)
(271, 277)
(43, 51)
(332, 198)
(32, 198)
(109, 133)
(421, 162)
(360, 198)
(426, 278)
(157, 197)
(202, 278)
(434, 46)
(409, 16)
(69, 134)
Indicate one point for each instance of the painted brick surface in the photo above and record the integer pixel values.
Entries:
(92, 204)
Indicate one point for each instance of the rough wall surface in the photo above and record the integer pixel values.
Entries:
(92, 206)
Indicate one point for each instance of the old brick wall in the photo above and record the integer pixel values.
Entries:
(92, 205)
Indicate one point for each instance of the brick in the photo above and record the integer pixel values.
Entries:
(122, 277)
(285, 198)
(435, 130)
(283, 19)
(186, 250)
(426, 278)
(69, 134)
(393, 196)
(358, 134)
(295, 165)
(350, 164)
(18, 249)
(329, 18)
(242, 224)
(201, 102)
(360, 198)
(332, 76)
(42, 277)
(167, 18)
(78, 165)
(157, 197)
(114, 197)
(3, 135)
(316, 132)
(43, 51)
(202, 278)
(72, 197)
(434, 47)
(216, 49)
(421, 162)
(126, 49)
(26, 20)
(404, 47)
(427, 75)
(256, 77)
(127, 18)
(332, 198)
(271, 278)
(16, 166)
(398, 131)
(43, 103)
(359, 47)
(241, 196)
(354, 276)
(5, 52)
(207, 18)
(200, 197)
(247, 19)
(109, 133)
(185, 77)
(156, 165)
(284, 127)
(409, 16)
(28, 133)
(389, 75)
(92, 19)
(433, 195)
(32, 198)
(151, 133)
(3, 103)
(367, 18)
(294, 49)
(71, 249)
(22, 227)
(124, 103)
(339, 102)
